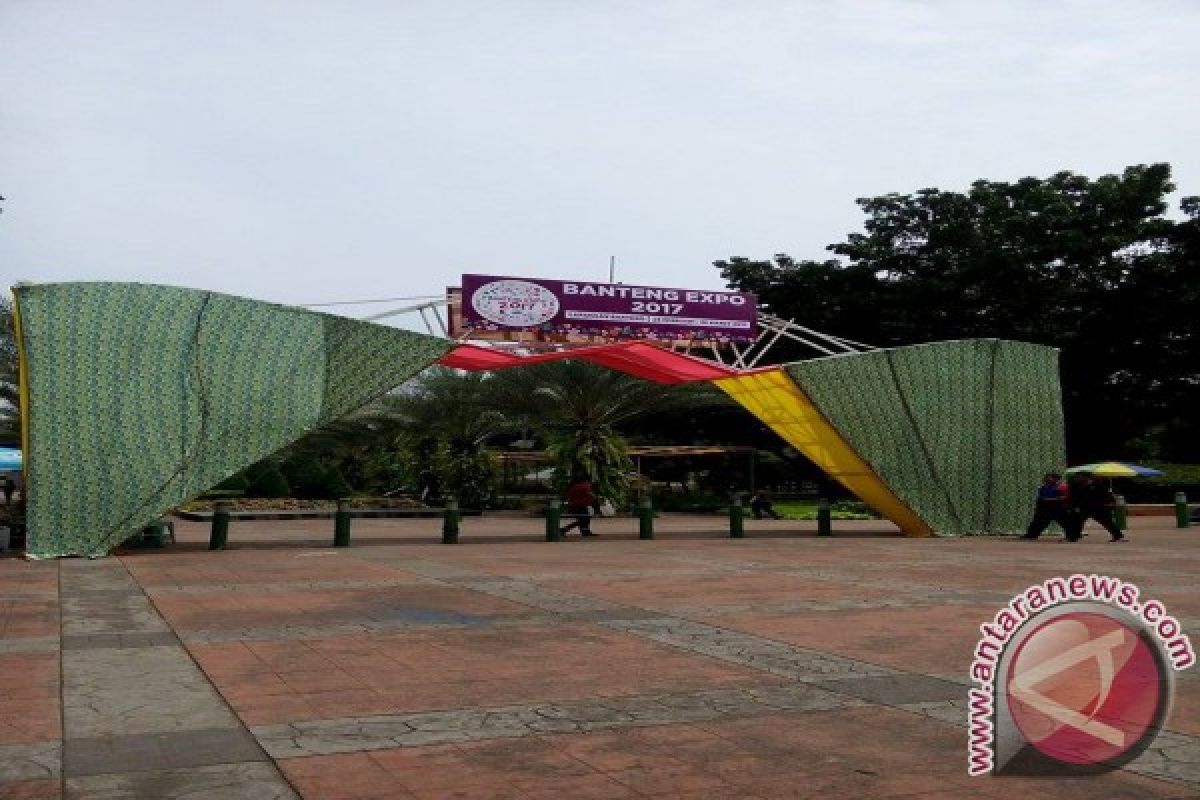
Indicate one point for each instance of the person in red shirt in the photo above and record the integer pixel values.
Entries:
(580, 499)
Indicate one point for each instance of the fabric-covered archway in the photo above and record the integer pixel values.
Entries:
(137, 397)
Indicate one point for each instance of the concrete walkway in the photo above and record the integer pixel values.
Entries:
(691, 666)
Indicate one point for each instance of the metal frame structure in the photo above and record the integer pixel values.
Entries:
(772, 328)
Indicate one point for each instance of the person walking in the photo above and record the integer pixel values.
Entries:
(1050, 506)
(580, 500)
(1092, 499)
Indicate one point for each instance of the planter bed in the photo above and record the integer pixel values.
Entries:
(316, 513)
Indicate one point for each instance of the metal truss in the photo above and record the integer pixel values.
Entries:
(772, 328)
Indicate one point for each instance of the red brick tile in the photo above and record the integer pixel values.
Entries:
(325, 680)
(577, 787)
(664, 779)
(31, 790)
(353, 776)
(272, 709)
(610, 752)
(25, 721)
(35, 669)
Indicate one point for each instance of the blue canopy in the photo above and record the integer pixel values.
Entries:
(10, 459)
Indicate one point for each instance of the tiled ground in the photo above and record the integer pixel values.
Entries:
(692, 666)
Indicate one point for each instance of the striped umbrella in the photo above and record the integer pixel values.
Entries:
(1116, 469)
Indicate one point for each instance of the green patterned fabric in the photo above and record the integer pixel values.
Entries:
(141, 397)
(961, 431)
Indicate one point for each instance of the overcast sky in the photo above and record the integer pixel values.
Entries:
(317, 151)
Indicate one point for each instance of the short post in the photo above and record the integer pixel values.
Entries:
(553, 520)
(824, 518)
(341, 524)
(1121, 513)
(450, 522)
(220, 526)
(645, 518)
(737, 517)
(1182, 519)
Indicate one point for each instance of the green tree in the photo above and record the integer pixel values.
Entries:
(334, 485)
(581, 411)
(445, 419)
(1093, 267)
(10, 400)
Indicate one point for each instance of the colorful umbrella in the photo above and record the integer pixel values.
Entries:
(10, 459)
(1116, 469)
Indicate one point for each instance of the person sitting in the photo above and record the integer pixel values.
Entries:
(761, 504)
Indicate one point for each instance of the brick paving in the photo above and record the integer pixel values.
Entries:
(692, 666)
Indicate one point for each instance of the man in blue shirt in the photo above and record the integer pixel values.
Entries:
(1051, 507)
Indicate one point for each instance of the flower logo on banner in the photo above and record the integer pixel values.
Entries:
(515, 304)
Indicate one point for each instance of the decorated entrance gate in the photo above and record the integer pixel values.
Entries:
(137, 398)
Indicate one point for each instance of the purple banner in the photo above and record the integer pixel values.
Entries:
(611, 310)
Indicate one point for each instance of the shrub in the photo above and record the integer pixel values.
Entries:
(470, 477)
(268, 482)
(334, 484)
(238, 482)
(305, 476)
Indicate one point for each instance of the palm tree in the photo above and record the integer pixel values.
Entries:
(443, 420)
(581, 409)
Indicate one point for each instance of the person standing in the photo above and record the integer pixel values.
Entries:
(9, 487)
(1050, 506)
(1092, 499)
(580, 500)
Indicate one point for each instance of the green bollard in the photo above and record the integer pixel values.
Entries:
(554, 520)
(450, 522)
(1182, 520)
(1121, 513)
(220, 527)
(824, 518)
(737, 517)
(341, 524)
(645, 519)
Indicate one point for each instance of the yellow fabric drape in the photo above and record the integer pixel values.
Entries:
(775, 398)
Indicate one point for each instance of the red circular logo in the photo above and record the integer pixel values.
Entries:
(1085, 688)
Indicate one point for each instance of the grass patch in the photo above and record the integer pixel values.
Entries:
(807, 509)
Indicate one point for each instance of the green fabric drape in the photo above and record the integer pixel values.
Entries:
(961, 431)
(140, 397)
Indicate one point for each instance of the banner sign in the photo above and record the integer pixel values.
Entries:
(611, 310)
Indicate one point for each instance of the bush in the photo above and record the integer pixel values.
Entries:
(268, 481)
(234, 483)
(334, 484)
(1178, 478)
(305, 476)
(690, 501)
(469, 477)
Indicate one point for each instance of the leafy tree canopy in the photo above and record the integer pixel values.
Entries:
(1093, 267)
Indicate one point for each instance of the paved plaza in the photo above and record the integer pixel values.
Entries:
(781, 665)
